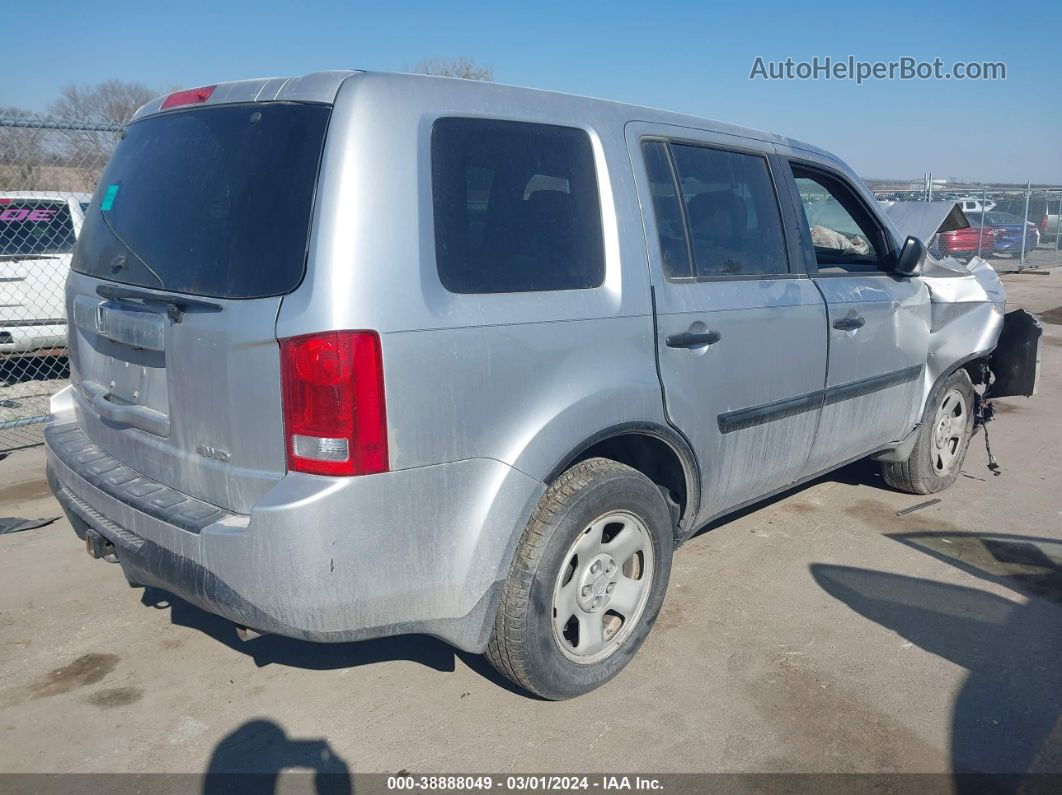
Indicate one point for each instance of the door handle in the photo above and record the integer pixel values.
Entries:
(849, 323)
(689, 339)
(134, 416)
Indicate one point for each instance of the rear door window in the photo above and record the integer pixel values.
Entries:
(667, 210)
(34, 228)
(516, 207)
(213, 201)
(717, 210)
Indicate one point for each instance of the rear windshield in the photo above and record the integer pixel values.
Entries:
(211, 201)
(33, 228)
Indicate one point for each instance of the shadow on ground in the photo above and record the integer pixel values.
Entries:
(275, 649)
(251, 758)
(1006, 716)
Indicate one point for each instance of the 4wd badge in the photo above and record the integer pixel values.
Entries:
(216, 453)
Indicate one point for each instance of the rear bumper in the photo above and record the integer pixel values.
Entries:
(321, 559)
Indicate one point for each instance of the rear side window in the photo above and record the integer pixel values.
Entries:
(213, 201)
(516, 207)
(32, 228)
(667, 209)
(732, 215)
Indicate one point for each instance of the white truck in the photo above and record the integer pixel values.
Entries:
(38, 230)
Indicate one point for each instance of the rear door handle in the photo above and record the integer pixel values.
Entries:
(849, 323)
(689, 339)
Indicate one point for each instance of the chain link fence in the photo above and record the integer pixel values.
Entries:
(49, 168)
(1016, 228)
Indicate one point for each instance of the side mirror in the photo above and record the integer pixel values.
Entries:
(912, 256)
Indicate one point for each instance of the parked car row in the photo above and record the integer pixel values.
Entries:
(1007, 231)
(1043, 209)
(989, 233)
(1043, 213)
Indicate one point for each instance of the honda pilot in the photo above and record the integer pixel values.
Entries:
(357, 354)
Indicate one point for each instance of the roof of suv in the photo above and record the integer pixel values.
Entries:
(324, 87)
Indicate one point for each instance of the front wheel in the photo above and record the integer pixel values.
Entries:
(586, 583)
(943, 439)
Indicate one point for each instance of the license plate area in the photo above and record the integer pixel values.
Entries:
(121, 359)
(128, 383)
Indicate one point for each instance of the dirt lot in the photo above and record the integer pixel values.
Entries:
(818, 632)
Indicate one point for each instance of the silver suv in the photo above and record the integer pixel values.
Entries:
(361, 354)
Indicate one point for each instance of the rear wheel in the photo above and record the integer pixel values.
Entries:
(586, 583)
(943, 439)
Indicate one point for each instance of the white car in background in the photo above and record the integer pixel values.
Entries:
(971, 205)
(38, 230)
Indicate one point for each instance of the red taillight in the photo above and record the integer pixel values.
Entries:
(334, 415)
(190, 96)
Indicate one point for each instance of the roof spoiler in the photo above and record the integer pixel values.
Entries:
(320, 87)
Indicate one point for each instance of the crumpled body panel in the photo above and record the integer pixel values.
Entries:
(968, 305)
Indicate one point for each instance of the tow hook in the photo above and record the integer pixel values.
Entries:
(99, 547)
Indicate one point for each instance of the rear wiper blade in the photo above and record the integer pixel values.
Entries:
(176, 305)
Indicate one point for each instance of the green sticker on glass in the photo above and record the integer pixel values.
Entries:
(108, 198)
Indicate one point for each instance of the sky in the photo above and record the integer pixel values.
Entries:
(693, 57)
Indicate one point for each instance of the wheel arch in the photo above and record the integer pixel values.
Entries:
(658, 451)
(975, 365)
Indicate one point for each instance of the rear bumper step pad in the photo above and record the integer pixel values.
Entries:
(112, 477)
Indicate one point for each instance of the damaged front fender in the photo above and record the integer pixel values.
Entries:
(968, 323)
(967, 304)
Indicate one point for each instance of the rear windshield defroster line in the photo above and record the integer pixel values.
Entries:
(213, 201)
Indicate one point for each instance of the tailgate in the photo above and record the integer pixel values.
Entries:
(194, 405)
(198, 229)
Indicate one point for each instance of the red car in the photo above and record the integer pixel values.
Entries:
(966, 243)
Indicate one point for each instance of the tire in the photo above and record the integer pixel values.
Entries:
(939, 452)
(594, 504)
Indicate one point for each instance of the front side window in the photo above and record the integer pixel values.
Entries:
(516, 207)
(844, 237)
